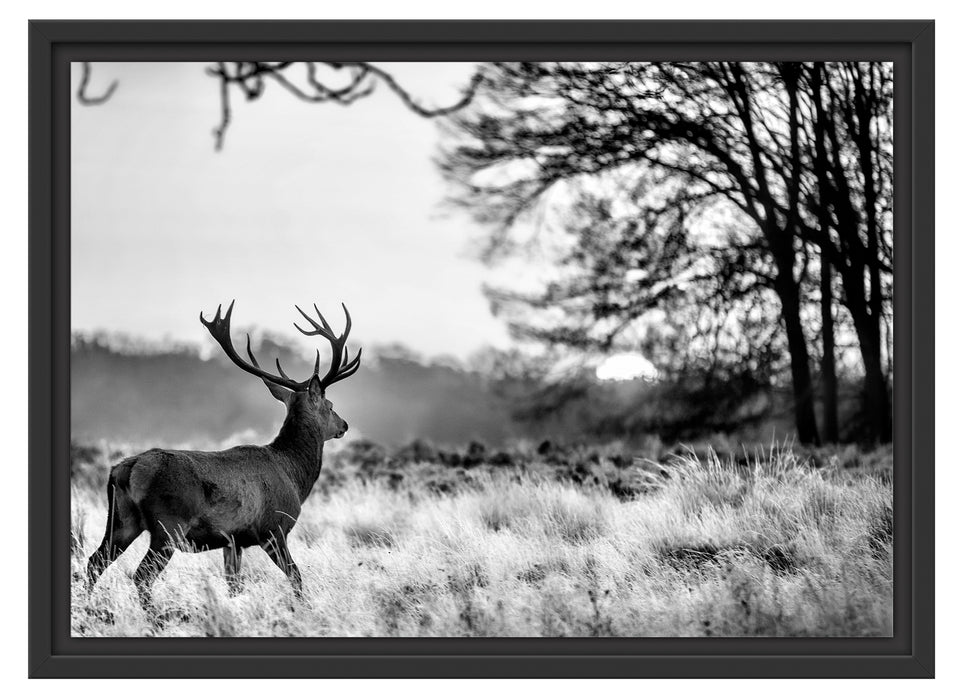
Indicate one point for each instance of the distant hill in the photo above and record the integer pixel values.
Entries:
(173, 395)
(127, 391)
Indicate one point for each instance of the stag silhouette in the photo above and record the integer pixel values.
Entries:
(244, 496)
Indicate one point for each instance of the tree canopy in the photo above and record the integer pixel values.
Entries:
(693, 199)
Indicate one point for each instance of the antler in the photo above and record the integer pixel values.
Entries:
(341, 366)
(219, 328)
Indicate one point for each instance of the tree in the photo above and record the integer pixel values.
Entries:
(853, 104)
(720, 166)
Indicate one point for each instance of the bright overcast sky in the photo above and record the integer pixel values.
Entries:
(306, 202)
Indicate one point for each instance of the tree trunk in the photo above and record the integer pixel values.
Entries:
(803, 394)
(868, 326)
(875, 392)
(829, 383)
(830, 420)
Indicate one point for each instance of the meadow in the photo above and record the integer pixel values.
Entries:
(537, 540)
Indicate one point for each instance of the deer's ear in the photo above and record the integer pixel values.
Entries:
(316, 388)
(280, 393)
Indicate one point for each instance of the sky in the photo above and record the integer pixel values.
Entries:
(305, 203)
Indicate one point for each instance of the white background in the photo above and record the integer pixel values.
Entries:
(13, 351)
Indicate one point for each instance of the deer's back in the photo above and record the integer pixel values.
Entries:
(209, 498)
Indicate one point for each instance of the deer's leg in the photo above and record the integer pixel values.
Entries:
(277, 550)
(232, 558)
(112, 546)
(152, 565)
(120, 533)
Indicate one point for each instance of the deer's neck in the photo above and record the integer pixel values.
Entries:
(299, 440)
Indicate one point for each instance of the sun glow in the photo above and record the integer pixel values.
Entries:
(625, 366)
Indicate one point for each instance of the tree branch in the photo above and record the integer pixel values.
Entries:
(82, 96)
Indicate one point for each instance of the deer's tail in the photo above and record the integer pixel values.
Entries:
(123, 509)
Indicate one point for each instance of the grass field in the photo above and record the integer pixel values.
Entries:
(769, 545)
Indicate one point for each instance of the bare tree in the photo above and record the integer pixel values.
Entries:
(687, 145)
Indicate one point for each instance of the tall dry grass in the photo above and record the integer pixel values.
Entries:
(773, 547)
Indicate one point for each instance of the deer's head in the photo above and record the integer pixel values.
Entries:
(305, 400)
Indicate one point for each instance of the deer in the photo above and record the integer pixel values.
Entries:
(245, 496)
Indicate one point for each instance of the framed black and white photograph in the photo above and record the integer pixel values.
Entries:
(481, 348)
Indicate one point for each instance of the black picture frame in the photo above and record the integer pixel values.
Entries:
(54, 44)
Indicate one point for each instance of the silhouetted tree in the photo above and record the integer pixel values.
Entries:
(852, 126)
(722, 195)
